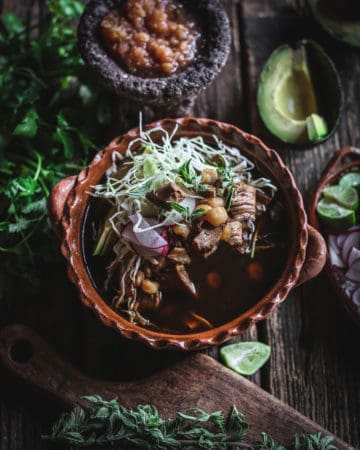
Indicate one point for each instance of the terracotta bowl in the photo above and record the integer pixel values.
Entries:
(346, 159)
(306, 254)
(172, 90)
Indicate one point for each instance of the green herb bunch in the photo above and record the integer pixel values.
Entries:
(50, 113)
(111, 425)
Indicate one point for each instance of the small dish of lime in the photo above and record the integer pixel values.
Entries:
(339, 206)
(334, 210)
(350, 179)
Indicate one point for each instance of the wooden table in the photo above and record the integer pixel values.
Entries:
(315, 364)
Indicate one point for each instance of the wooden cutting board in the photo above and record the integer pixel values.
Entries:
(196, 381)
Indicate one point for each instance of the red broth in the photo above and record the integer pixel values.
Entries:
(235, 290)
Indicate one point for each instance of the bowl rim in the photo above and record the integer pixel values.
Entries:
(162, 90)
(72, 221)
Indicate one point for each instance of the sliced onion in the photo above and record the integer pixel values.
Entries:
(334, 252)
(352, 240)
(335, 259)
(355, 297)
(353, 273)
(353, 255)
(354, 228)
(340, 238)
(332, 239)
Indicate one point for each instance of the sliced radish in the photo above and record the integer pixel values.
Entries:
(353, 274)
(144, 252)
(355, 297)
(352, 240)
(128, 235)
(150, 240)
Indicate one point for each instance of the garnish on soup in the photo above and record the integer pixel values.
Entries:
(192, 237)
(151, 38)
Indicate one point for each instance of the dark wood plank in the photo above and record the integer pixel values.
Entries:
(223, 100)
(314, 365)
(197, 381)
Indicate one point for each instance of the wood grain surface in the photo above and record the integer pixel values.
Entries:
(315, 364)
(197, 381)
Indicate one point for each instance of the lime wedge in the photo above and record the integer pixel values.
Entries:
(334, 215)
(245, 358)
(344, 196)
(351, 179)
(317, 128)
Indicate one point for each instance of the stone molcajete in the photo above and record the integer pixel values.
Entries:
(306, 249)
(177, 89)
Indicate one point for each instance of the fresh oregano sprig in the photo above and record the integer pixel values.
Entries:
(111, 425)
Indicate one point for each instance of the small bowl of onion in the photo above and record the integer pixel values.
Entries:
(184, 233)
(334, 211)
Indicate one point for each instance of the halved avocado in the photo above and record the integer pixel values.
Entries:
(340, 18)
(291, 100)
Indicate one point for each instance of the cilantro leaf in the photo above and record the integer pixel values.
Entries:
(50, 125)
(28, 127)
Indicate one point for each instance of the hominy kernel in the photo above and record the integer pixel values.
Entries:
(149, 287)
(216, 201)
(216, 216)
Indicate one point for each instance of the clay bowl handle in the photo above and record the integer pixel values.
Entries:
(57, 201)
(315, 256)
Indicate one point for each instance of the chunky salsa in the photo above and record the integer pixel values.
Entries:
(151, 38)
